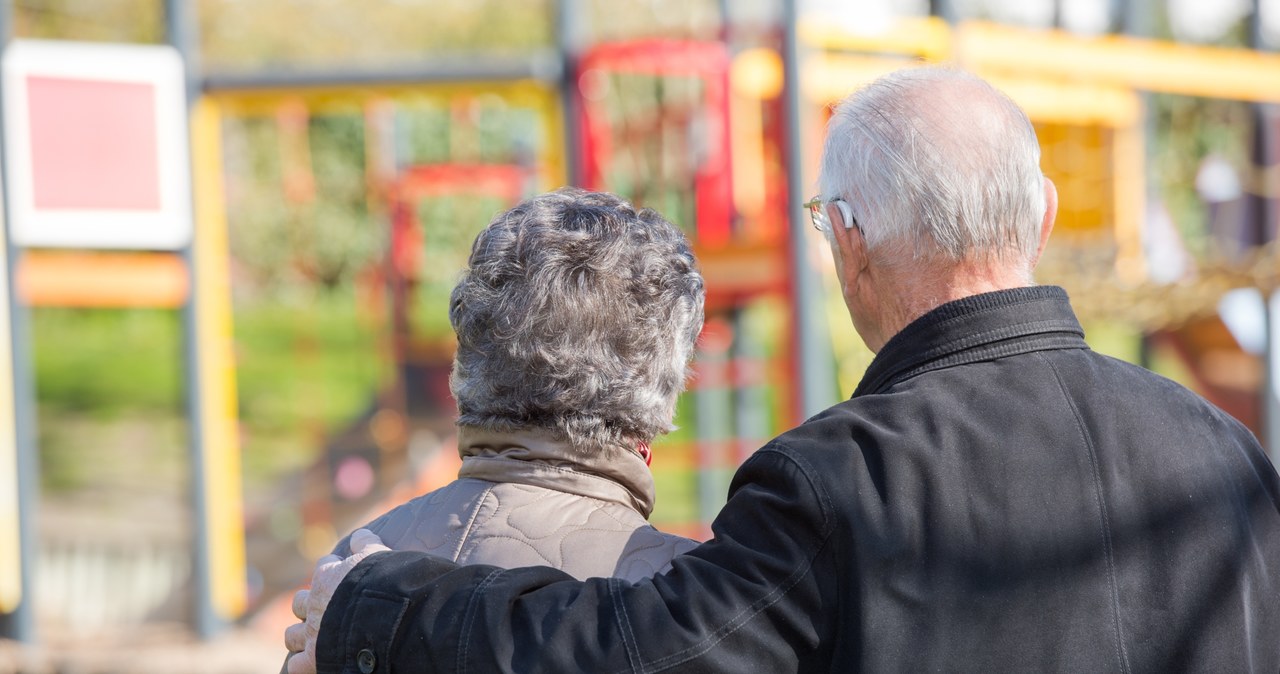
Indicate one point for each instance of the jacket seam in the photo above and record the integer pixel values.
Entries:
(395, 626)
(469, 618)
(735, 623)
(1025, 329)
(1105, 520)
(356, 575)
(624, 626)
(471, 521)
(946, 361)
(724, 632)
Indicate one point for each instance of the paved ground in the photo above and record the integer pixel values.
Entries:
(159, 650)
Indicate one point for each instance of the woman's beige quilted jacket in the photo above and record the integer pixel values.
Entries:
(525, 500)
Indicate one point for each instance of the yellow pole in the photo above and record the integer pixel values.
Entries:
(216, 363)
(1130, 194)
(10, 536)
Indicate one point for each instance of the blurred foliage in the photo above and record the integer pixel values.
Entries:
(246, 34)
(298, 211)
(107, 362)
(241, 34)
(303, 370)
(313, 363)
(108, 383)
(663, 141)
(90, 20)
(607, 20)
(1187, 130)
(481, 129)
(450, 224)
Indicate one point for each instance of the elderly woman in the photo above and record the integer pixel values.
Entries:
(576, 319)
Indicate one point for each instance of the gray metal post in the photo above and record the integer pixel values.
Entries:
(1271, 379)
(814, 356)
(569, 35)
(713, 411)
(21, 623)
(1137, 19)
(943, 9)
(751, 418)
(1264, 213)
(181, 32)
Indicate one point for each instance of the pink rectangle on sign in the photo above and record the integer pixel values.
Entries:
(93, 144)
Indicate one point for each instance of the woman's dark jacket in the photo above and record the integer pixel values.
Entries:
(994, 497)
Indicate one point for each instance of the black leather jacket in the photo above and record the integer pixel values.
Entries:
(994, 497)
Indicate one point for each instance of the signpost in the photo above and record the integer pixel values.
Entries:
(96, 137)
(97, 156)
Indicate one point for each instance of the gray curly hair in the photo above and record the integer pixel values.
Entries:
(577, 314)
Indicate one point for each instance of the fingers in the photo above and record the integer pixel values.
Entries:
(302, 663)
(300, 604)
(295, 638)
(361, 539)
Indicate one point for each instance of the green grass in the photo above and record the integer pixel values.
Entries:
(105, 363)
(302, 371)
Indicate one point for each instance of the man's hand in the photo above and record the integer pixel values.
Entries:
(309, 605)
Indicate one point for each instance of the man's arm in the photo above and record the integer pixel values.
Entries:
(757, 597)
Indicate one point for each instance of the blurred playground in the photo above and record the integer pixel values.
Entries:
(191, 421)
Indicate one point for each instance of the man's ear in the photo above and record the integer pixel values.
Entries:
(1050, 215)
(852, 247)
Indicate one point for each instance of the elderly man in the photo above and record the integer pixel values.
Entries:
(995, 496)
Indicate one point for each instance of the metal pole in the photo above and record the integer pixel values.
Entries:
(21, 623)
(181, 32)
(1271, 380)
(712, 404)
(943, 9)
(751, 398)
(1137, 19)
(813, 356)
(1262, 210)
(543, 66)
(570, 37)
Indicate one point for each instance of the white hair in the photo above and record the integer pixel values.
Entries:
(935, 161)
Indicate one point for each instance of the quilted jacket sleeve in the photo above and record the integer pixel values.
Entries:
(748, 600)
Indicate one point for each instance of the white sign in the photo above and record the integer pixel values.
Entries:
(95, 139)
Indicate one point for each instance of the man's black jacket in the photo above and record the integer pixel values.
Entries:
(994, 497)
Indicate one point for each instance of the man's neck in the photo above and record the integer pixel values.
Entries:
(910, 298)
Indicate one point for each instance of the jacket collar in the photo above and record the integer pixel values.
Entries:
(976, 328)
(541, 460)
